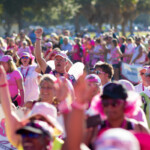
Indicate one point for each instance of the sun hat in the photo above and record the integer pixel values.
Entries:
(48, 111)
(38, 127)
(24, 54)
(6, 58)
(117, 139)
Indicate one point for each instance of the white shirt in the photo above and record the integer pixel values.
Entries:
(30, 82)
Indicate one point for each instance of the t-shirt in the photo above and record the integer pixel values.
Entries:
(54, 72)
(11, 78)
(30, 82)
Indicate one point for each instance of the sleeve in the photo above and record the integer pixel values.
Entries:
(17, 74)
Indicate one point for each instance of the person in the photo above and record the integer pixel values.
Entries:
(105, 71)
(77, 52)
(129, 50)
(115, 58)
(36, 135)
(15, 80)
(142, 86)
(137, 112)
(13, 121)
(30, 76)
(139, 55)
(98, 52)
(113, 104)
(24, 48)
(60, 59)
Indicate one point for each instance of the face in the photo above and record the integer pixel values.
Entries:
(32, 141)
(5, 65)
(147, 77)
(142, 75)
(101, 74)
(47, 91)
(25, 60)
(113, 108)
(95, 87)
(60, 64)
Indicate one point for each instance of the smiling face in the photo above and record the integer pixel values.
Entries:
(34, 141)
(47, 91)
(25, 60)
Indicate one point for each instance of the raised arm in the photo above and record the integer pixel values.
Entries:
(41, 61)
(11, 119)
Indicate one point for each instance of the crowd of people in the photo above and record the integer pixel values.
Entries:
(66, 92)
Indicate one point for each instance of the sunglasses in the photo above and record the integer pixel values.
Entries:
(24, 57)
(142, 74)
(30, 135)
(113, 103)
(98, 72)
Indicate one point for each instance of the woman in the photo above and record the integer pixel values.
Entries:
(77, 52)
(30, 77)
(41, 111)
(115, 59)
(129, 50)
(15, 80)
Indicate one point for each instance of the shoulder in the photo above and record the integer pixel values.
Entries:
(138, 126)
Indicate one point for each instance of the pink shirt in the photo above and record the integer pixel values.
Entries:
(11, 78)
(76, 55)
(114, 55)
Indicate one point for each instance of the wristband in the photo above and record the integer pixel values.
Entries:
(38, 39)
(79, 106)
(3, 85)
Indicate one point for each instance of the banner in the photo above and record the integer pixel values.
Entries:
(131, 72)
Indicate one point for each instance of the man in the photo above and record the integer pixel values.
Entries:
(104, 71)
(143, 85)
(36, 135)
(139, 55)
(60, 61)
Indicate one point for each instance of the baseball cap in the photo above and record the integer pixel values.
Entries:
(62, 55)
(93, 78)
(49, 44)
(48, 111)
(6, 58)
(114, 90)
(38, 127)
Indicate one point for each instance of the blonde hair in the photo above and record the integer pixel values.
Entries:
(11, 65)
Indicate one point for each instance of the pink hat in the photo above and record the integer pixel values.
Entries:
(24, 54)
(49, 44)
(46, 110)
(117, 139)
(6, 58)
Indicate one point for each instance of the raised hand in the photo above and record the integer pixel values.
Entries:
(38, 32)
(3, 79)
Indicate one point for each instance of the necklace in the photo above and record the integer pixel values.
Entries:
(24, 75)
